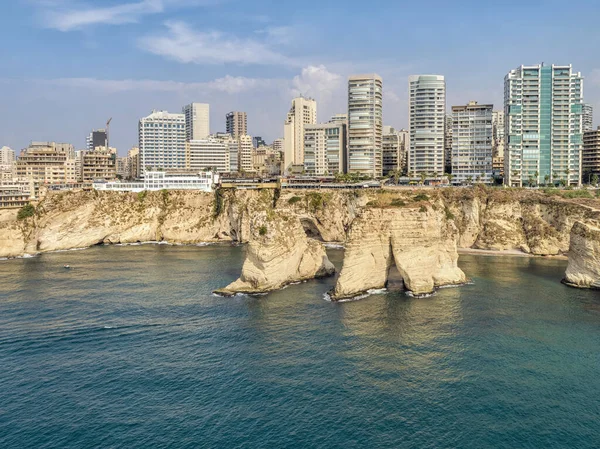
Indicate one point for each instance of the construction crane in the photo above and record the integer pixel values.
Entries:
(107, 133)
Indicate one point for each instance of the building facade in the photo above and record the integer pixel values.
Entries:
(197, 121)
(236, 124)
(543, 107)
(99, 164)
(162, 138)
(427, 116)
(324, 149)
(591, 154)
(448, 124)
(588, 117)
(45, 162)
(97, 138)
(472, 143)
(303, 112)
(498, 142)
(208, 154)
(365, 125)
(395, 144)
(164, 180)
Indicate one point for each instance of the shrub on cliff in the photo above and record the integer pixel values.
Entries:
(262, 230)
(397, 202)
(421, 197)
(293, 200)
(25, 212)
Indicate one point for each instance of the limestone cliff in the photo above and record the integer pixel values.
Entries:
(279, 253)
(584, 256)
(418, 240)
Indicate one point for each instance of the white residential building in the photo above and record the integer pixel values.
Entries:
(472, 143)
(162, 137)
(427, 115)
(7, 156)
(543, 106)
(324, 149)
(303, 112)
(236, 124)
(211, 154)
(365, 125)
(197, 121)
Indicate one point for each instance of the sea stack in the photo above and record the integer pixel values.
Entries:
(420, 241)
(583, 270)
(279, 253)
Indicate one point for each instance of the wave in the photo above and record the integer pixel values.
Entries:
(372, 292)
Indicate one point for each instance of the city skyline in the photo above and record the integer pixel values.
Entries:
(122, 59)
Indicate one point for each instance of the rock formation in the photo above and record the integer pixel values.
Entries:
(584, 256)
(419, 241)
(279, 254)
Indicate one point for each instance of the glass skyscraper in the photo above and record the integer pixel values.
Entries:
(543, 108)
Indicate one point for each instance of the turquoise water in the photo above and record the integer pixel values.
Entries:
(130, 349)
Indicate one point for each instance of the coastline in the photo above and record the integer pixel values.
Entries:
(505, 253)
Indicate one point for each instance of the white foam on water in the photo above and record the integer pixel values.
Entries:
(334, 246)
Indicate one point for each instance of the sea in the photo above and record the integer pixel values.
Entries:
(129, 348)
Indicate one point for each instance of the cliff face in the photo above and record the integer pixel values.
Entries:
(419, 241)
(279, 253)
(584, 256)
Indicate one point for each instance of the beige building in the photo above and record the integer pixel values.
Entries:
(591, 154)
(99, 164)
(197, 121)
(365, 125)
(395, 147)
(45, 162)
(245, 153)
(134, 163)
(324, 149)
(236, 124)
(303, 112)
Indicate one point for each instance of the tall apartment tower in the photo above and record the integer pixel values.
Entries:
(97, 138)
(236, 124)
(324, 149)
(543, 107)
(448, 143)
(588, 118)
(197, 121)
(395, 143)
(591, 154)
(472, 143)
(162, 138)
(7, 156)
(365, 125)
(427, 116)
(303, 112)
(498, 142)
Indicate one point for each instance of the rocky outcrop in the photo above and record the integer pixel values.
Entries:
(419, 241)
(279, 254)
(584, 256)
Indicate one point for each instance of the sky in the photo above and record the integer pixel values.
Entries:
(69, 65)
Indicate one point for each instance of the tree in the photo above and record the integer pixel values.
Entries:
(469, 180)
(546, 179)
(423, 176)
(595, 179)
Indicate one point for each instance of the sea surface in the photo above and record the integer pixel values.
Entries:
(129, 349)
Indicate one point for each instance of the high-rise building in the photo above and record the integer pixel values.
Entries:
(7, 156)
(395, 144)
(588, 117)
(134, 162)
(543, 107)
(162, 138)
(365, 125)
(197, 121)
(303, 112)
(324, 149)
(448, 143)
(591, 154)
(236, 124)
(97, 138)
(245, 153)
(472, 143)
(278, 145)
(498, 142)
(427, 114)
(258, 142)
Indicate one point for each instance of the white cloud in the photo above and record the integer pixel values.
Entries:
(319, 83)
(228, 84)
(67, 15)
(183, 44)
(68, 18)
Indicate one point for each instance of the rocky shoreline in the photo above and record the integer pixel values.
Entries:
(420, 231)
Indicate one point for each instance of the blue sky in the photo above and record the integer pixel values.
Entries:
(68, 65)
